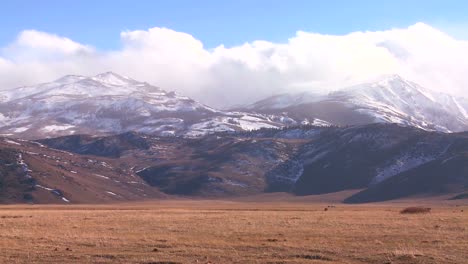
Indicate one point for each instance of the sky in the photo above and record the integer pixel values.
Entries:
(235, 52)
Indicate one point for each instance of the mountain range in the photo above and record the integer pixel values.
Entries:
(111, 138)
(376, 162)
(109, 103)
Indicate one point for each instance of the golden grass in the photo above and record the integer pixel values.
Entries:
(231, 232)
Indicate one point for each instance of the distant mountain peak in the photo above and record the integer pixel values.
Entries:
(113, 79)
(108, 73)
(109, 77)
(389, 79)
(70, 78)
(389, 99)
(394, 76)
(112, 103)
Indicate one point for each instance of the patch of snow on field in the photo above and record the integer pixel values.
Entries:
(20, 129)
(235, 183)
(138, 171)
(37, 143)
(168, 133)
(52, 128)
(253, 123)
(43, 187)
(321, 123)
(12, 142)
(460, 108)
(104, 164)
(102, 176)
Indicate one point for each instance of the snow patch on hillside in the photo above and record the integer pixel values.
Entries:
(53, 128)
(403, 163)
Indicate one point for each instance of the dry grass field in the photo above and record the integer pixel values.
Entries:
(232, 232)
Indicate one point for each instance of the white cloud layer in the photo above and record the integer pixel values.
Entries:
(227, 76)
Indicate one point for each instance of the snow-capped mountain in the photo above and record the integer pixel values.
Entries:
(391, 99)
(110, 103)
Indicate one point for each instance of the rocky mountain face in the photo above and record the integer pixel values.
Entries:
(391, 99)
(380, 161)
(31, 172)
(108, 104)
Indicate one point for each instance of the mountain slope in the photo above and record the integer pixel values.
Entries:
(108, 103)
(302, 160)
(390, 100)
(436, 177)
(33, 173)
(368, 156)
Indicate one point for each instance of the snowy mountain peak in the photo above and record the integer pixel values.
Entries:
(104, 84)
(106, 78)
(111, 103)
(109, 74)
(70, 78)
(113, 79)
(393, 77)
(392, 81)
(388, 99)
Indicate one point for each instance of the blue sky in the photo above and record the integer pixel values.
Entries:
(98, 23)
(208, 50)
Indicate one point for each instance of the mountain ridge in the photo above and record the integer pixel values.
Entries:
(303, 160)
(109, 103)
(391, 99)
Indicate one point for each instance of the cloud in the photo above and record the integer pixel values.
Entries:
(32, 45)
(226, 76)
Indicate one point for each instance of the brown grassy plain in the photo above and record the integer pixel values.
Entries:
(232, 232)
